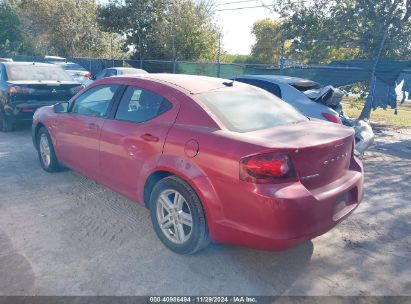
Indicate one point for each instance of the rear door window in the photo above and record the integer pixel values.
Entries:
(139, 105)
(95, 102)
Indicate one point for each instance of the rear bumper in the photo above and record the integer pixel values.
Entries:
(23, 112)
(277, 217)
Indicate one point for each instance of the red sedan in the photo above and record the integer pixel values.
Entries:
(213, 160)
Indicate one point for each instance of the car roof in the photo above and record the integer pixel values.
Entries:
(124, 68)
(194, 84)
(27, 64)
(276, 78)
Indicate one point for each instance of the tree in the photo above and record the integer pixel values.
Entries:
(182, 29)
(69, 28)
(267, 47)
(323, 30)
(14, 38)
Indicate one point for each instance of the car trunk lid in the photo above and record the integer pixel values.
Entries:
(320, 151)
(27, 94)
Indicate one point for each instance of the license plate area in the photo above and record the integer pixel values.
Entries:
(345, 203)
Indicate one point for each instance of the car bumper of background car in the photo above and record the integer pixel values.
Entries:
(275, 217)
(19, 114)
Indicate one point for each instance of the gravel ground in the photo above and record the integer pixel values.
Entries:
(62, 234)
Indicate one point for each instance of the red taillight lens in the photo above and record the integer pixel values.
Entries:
(88, 75)
(332, 117)
(266, 168)
(19, 90)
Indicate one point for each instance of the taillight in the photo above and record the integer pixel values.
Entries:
(266, 168)
(19, 90)
(88, 75)
(75, 90)
(332, 117)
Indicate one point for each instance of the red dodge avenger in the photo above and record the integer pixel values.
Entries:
(213, 160)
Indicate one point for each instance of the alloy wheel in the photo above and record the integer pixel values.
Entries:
(174, 216)
(44, 147)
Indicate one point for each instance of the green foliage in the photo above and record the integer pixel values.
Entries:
(236, 58)
(14, 38)
(268, 41)
(69, 28)
(324, 30)
(181, 29)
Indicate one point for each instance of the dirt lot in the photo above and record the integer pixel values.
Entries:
(61, 234)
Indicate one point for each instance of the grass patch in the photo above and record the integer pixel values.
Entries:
(353, 107)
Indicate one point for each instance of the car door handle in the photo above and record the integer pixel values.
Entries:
(92, 126)
(149, 137)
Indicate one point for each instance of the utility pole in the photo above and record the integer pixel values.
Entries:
(111, 50)
(282, 51)
(140, 49)
(174, 54)
(218, 56)
(366, 111)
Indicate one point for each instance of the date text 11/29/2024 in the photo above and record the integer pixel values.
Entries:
(205, 299)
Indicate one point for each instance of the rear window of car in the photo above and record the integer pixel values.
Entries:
(72, 66)
(36, 72)
(244, 110)
(305, 85)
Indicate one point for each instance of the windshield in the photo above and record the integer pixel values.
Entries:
(245, 109)
(36, 72)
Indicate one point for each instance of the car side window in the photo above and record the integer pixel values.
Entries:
(95, 102)
(2, 73)
(110, 72)
(139, 105)
(100, 74)
(268, 86)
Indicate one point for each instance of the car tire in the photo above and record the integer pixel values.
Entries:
(5, 125)
(172, 203)
(46, 153)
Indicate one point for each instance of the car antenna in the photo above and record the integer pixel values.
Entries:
(228, 84)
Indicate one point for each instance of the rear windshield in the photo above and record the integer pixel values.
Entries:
(245, 109)
(305, 85)
(36, 72)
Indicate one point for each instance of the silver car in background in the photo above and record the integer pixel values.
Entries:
(313, 100)
(114, 71)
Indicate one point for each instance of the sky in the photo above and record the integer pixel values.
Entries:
(237, 24)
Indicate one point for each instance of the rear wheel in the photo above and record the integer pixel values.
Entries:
(46, 153)
(178, 216)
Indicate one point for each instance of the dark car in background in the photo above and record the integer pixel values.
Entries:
(26, 86)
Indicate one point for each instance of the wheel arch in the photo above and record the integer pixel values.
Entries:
(36, 130)
(201, 184)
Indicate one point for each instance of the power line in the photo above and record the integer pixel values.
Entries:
(234, 2)
(241, 8)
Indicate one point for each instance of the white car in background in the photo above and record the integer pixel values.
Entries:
(114, 71)
(76, 71)
(313, 100)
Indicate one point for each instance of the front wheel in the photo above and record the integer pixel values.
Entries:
(178, 217)
(46, 153)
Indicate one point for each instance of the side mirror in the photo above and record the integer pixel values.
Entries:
(61, 107)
